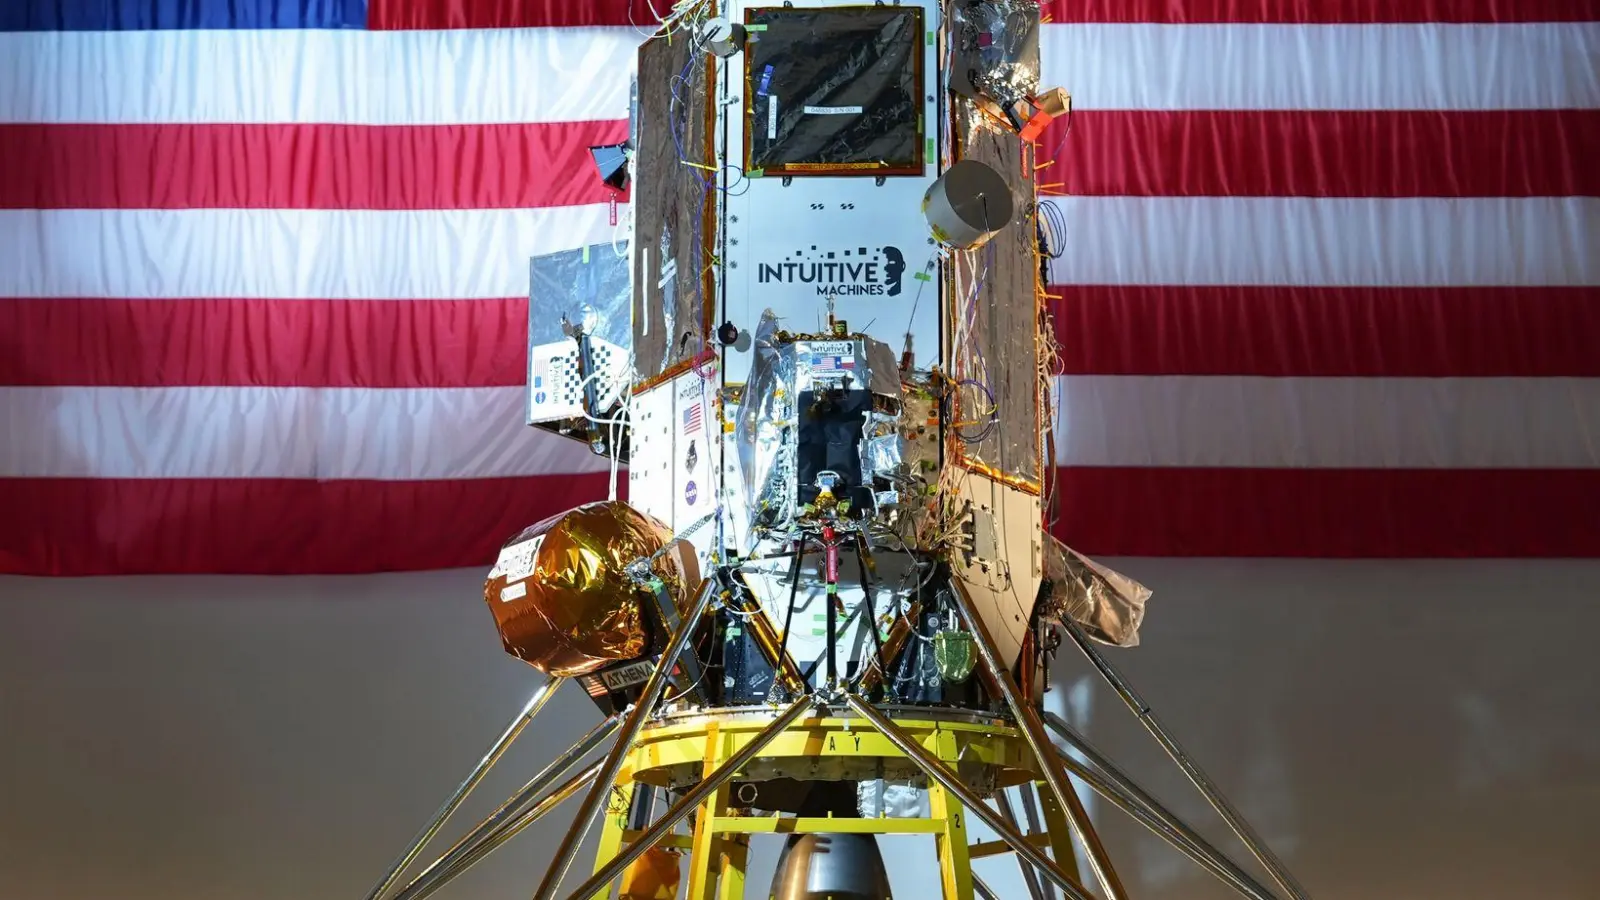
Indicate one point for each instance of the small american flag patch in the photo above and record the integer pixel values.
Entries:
(691, 419)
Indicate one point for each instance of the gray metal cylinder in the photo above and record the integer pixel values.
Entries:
(724, 37)
(968, 205)
(830, 867)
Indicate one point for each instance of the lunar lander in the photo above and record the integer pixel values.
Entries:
(827, 607)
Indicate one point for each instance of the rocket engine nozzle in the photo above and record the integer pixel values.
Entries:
(831, 867)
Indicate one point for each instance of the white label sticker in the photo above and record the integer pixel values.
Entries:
(644, 257)
(516, 561)
(636, 673)
(831, 348)
(772, 117)
(833, 110)
(515, 592)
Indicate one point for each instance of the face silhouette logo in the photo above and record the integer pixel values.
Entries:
(894, 267)
(691, 458)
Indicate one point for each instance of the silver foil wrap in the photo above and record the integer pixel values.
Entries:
(764, 429)
(766, 423)
(884, 453)
(995, 48)
(588, 287)
(1108, 606)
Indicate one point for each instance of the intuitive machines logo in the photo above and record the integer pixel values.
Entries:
(840, 272)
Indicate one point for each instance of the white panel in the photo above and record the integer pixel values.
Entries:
(1330, 241)
(277, 432)
(1439, 423)
(1002, 575)
(314, 76)
(554, 383)
(791, 245)
(695, 457)
(286, 253)
(556, 388)
(650, 453)
(1407, 66)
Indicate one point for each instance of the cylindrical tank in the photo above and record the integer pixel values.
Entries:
(830, 867)
(968, 205)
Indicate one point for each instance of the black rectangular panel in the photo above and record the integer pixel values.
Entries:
(834, 91)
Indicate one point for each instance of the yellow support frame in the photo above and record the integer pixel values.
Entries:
(716, 850)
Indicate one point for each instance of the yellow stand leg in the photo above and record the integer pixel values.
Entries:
(1055, 825)
(703, 857)
(734, 855)
(613, 823)
(955, 866)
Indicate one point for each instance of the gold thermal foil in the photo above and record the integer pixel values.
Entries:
(561, 596)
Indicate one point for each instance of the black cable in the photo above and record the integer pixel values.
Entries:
(872, 614)
(788, 618)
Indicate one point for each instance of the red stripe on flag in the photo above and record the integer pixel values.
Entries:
(108, 526)
(1356, 12)
(244, 342)
(302, 166)
(1394, 513)
(1503, 153)
(251, 526)
(430, 14)
(1328, 331)
(1103, 330)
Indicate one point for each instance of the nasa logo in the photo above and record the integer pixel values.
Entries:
(689, 493)
(854, 272)
(539, 397)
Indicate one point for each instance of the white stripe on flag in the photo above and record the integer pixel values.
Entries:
(474, 76)
(231, 432)
(286, 253)
(1235, 421)
(1330, 241)
(277, 432)
(565, 74)
(1412, 66)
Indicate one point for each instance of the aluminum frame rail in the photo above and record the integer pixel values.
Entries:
(1191, 769)
(1044, 751)
(648, 698)
(496, 750)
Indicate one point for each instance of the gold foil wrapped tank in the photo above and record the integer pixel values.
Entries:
(562, 599)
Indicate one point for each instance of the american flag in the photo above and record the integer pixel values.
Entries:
(691, 419)
(1330, 282)
(832, 363)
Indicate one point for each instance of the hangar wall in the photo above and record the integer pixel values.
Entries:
(1395, 729)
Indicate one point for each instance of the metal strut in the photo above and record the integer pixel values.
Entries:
(492, 756)
(935, 770)
(692, 799)
(502, 819)
(1044, 751)
(648, 698)
(1191, 769)
(471, 856)
(1114, 785)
